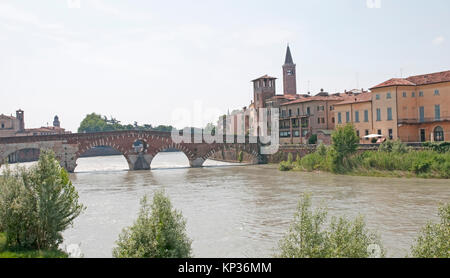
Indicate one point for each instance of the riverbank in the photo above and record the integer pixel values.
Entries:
(5, 253)
(426, 164)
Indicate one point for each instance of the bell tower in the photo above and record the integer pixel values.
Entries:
(263, 88)
(289, 75)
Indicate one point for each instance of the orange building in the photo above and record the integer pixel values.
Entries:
(356, 109)
(413, 109)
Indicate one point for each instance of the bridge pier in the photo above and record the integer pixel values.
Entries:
(197, 162)
(139, 161)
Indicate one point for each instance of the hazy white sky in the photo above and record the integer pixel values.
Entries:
(143, 60)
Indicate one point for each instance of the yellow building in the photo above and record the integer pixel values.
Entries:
(356, 109)
(413, 109)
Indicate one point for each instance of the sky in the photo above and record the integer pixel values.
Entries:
(185, 63)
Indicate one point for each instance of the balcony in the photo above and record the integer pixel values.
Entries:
(424, 120)
(295, 116)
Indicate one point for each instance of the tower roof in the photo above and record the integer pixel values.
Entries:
(288, 60)
(264, 77)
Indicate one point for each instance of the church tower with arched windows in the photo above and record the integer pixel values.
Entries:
(289, 75)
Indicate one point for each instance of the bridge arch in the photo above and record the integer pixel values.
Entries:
(190, 155)
(229, 152)
(101, 143)
(8, 150)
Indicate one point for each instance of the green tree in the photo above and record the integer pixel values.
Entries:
(434, 239)
(308, 238)
(344, 143)
(38, 204)
(159, 232)
(240, 156)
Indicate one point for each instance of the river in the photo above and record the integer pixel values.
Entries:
(243, 211)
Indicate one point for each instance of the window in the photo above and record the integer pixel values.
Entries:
(3, 125)
(318, 120)
(422, 135)
(290, 112)
(388, 96)
(378, 114)
(366, 116)
(421, 94)
(347, 117)
(437, 112)
(421, 114)
(332, 120)
(323, 120)
(366, 132)
(404, 94)
(285, 134)
(413, 94)
(296, 133)
(357, 116)
(308, 110)
(436, 92)
(379, 132)
(339, 118)
(391, 136)
(331, 108)
(298, 111)
(377, 97)
(438, 134)
(357, 133)
(389, 114)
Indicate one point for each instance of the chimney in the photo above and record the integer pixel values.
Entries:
(20, 117)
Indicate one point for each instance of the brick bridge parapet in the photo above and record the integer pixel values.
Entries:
(69, 147)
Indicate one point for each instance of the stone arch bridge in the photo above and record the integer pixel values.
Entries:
(69, 147)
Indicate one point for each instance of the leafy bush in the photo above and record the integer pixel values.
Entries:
(313, 162)
(37, 205)
(298, 160)
(285, 166)
(322, 150)
(240, 156)
(421, 166)
(308, 238)
(159, 232)
(433, 241)
(393, 146)
(290, 158)
(442, 147)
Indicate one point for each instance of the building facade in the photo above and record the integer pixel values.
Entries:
(15, 126)
(413, 109)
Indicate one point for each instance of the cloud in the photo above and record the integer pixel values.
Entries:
(439, 40)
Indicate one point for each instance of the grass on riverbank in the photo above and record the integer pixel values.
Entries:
(409, 164)
(6, 253)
